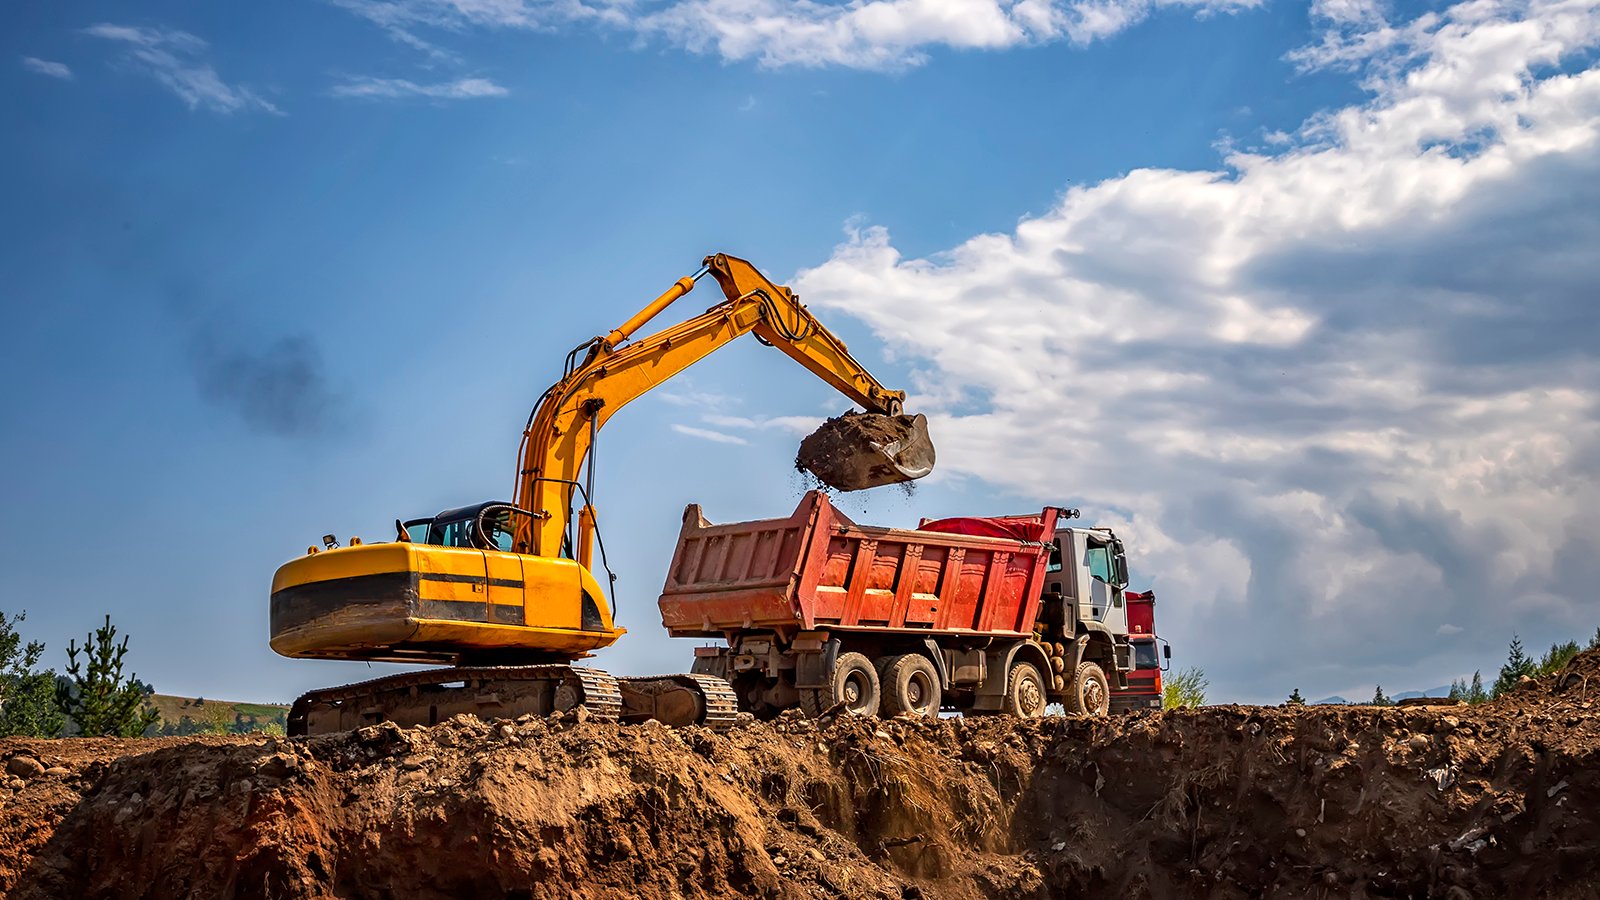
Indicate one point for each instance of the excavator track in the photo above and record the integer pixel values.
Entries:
(680, 700)
(429, 697)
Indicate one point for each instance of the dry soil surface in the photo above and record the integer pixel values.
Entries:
(1499, 800)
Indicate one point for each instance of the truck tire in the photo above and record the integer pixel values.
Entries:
(1025, 695)
(1089, 693)
(852, 683)
(909, 684)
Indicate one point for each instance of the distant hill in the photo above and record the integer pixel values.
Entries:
(1442, 691)
(191, 715)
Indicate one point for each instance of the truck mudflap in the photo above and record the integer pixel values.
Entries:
(506, 692)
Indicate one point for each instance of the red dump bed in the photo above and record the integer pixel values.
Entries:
(818, 569)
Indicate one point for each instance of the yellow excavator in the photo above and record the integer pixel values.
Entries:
(504, 593)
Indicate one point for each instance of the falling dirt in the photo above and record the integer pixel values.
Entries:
(864, 450)
(1455, 802)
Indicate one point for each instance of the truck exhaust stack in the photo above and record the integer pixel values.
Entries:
(857, 451)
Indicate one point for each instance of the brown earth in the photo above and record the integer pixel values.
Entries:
(1498, 800)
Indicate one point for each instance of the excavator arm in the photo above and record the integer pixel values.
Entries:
(615, 370)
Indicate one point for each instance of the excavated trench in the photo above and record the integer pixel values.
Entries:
(1497, 800)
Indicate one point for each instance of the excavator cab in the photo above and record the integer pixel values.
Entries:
(486, 526)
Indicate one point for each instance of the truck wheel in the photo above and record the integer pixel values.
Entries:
(910, 685)
(1025, 696)
(1089, 692)
(853, 683)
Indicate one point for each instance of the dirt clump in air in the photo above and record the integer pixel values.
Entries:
(855, 451)
(1496, 800)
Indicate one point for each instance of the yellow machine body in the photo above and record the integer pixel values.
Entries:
(409, 602)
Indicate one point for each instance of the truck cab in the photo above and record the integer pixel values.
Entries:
(1150, 652)
(1084, 598)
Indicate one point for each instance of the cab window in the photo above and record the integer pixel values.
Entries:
(1055, 557)
(498, 529)
(453, 533)
(500, 526)
(1145, 656)
(1100, 563)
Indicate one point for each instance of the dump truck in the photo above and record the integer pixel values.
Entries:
(1150, 653)
(504, 595)
(982, 615)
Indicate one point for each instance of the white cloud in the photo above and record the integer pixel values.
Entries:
(460, 89)
(1448, 630)
(796, 425)
(868, 34)
(46, 67)
(1333, 394)
(707, 434)
(172, 58)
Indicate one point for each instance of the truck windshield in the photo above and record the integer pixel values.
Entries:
(1145, 656)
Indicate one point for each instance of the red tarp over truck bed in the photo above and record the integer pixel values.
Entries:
(818, 569)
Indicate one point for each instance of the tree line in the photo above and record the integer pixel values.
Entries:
(1519, 665)
(93, 698)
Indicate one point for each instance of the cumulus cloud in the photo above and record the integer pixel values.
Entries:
(46, 67)
(174, 59)
(391, 88)
(868, 34)
(1333, 394)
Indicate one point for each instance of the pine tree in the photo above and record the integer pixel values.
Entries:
(1594, 642)
(97, 699)
(1517, 665)
(1295, 699)
(1476, 693)
(1458, 690)
(1378, 698)
(1557, 658)
(27, 697)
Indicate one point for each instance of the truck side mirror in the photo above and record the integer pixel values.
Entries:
(1122, 568)
(1167, 651)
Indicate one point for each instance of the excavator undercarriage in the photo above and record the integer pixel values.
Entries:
(506, 692)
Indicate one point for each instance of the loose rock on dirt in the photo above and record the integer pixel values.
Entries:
(1496, 800)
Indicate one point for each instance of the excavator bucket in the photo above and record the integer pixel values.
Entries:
(857, 451)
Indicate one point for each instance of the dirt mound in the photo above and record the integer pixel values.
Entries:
(1575, 683)
(1458, 802)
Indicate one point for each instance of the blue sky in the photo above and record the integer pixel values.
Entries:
(1299, 297)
